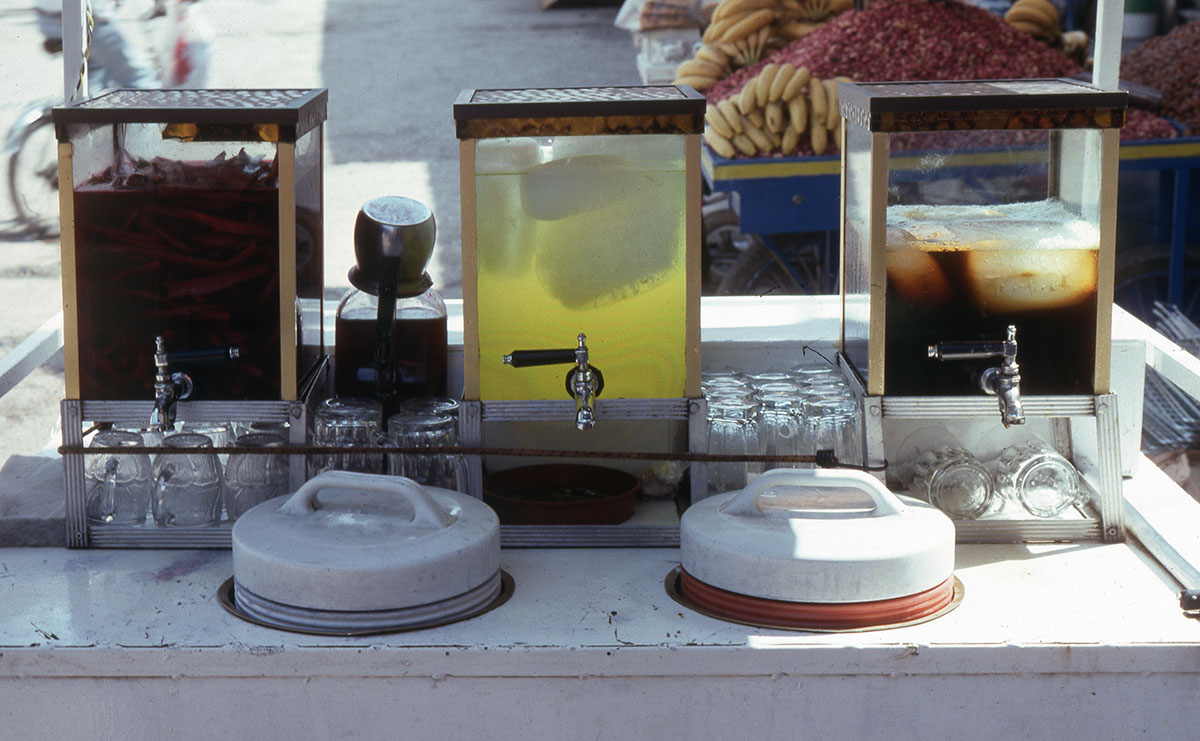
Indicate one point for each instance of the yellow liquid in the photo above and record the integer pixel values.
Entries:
(606, 259)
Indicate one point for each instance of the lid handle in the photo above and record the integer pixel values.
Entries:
(746, 501)
(426, 510)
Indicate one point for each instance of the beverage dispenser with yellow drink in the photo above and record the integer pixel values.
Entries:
(581, 261)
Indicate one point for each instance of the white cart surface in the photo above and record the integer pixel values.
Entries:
(1066, 641)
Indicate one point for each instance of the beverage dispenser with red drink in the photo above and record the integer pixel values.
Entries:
(192, 265)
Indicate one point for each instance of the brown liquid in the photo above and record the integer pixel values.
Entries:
(198, 266)
(935, 297)
(418, 352)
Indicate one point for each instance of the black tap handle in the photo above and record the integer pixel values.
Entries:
(206, 355)
(529, 358)
(966, 350)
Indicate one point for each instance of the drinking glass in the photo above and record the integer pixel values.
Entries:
(439, 405)
(118, 484)
(810, 373)
(732, 430)
(420, 430)
(150, 435)
(219, 433)
(725, 384)
(780, 428)
(187, 484)
(832, 423)
(1034, 474)
(758, 380)
(251, 478)
(347, 422)
(937, 469)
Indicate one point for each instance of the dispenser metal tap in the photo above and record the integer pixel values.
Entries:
(169, 388)
(1003, 382)
(584, 387)
(584, 381)
(172, 387)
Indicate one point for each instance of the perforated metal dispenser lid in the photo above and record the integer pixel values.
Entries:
(579, 111)
(363, 542)
(817, 536)
(213, 115)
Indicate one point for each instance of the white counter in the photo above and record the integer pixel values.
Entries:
(1050, 640)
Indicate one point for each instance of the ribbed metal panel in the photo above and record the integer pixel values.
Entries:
(151, 536)
(1027, 531)
(526, 411)
(191, 411)
(1109, 500)
(932, 407)
(73, 478)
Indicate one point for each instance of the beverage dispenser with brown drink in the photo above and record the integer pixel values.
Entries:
(977, 276)
(581, 259)
(193, 280)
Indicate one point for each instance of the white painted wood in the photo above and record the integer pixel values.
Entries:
(1106, 65)
(34, 350)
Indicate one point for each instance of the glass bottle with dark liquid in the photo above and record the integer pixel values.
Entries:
(391, 327)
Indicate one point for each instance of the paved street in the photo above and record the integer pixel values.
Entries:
(393, 71)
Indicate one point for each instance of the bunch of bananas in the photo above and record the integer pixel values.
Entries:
(801, 17)
(1038, 17)
(773, 111)
(742, 32)
(741, 28)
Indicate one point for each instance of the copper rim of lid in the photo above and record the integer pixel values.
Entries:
(823, 616)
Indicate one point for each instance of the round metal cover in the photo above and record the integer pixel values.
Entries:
(813, 616)
(358, 542)
(817, 536)
(254, 609)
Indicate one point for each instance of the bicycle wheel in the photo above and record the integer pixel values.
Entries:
(33, 178)
(804, 264)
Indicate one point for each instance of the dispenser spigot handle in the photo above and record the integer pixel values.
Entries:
(584, 381)
(172, 387)
(1003, 382)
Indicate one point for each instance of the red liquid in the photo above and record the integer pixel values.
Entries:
(197, 265)
(418, 351)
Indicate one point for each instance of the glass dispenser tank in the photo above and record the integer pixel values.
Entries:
(193, 216)
(581, 280)
(970, 208)
(577, 219)
(978, 240)
(193, 282)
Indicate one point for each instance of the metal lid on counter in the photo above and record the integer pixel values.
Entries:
(364, 551)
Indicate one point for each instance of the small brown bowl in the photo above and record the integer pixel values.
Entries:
(561, 494)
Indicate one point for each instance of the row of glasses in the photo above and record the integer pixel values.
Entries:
(188, 486)
(786, 413)
(1028, 473)
(344, 422)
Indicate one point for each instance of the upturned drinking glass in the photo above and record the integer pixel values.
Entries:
(419, 430)
(833, 424)
(219, 433)
(780, 428)
(251, 478)
(1037, 476)
(954, 481)
(347, 422)
(732, 430)
(118, 484)
(187, 483)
